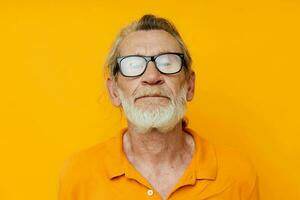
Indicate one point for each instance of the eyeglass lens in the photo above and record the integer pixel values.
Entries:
(135, 65)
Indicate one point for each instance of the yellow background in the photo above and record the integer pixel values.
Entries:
(53, 98)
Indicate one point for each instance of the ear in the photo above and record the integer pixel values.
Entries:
(191, 86)
(113, 94)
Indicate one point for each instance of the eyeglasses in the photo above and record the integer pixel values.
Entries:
(165, 63)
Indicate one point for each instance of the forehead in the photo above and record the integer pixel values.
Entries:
(150, 42)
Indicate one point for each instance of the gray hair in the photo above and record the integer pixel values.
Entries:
(147, 22)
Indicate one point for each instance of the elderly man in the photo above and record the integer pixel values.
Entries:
(157, 156)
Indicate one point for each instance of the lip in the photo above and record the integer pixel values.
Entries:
(145, 96)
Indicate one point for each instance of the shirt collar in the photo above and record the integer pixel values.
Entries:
(204, 161)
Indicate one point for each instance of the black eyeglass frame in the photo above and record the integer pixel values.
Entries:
(148, 59)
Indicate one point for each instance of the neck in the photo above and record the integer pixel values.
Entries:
(155, 147)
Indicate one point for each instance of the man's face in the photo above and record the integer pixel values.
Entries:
(153, 94)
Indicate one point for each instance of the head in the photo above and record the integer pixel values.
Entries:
(151, 99)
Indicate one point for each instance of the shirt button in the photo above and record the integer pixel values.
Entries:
(150, 192)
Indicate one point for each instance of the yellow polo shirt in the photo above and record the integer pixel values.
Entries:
(102, 172)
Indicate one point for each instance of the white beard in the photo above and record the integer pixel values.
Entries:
(162, 118)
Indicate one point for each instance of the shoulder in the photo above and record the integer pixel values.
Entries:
(234, 162)
(82, 164)
(83, 168)
(229, 163)
(235, 174)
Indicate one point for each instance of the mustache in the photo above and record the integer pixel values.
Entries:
(152, 91)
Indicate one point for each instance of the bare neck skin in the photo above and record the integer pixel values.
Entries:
(160, 157)
(155, 147)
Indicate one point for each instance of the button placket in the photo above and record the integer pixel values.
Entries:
(150, 192)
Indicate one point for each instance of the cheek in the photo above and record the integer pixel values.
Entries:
(174, 87)
(175, 84)
(128, 87)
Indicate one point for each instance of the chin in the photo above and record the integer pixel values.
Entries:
(151, 105)
(150, 108)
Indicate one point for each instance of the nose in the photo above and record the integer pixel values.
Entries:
(152, 76)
